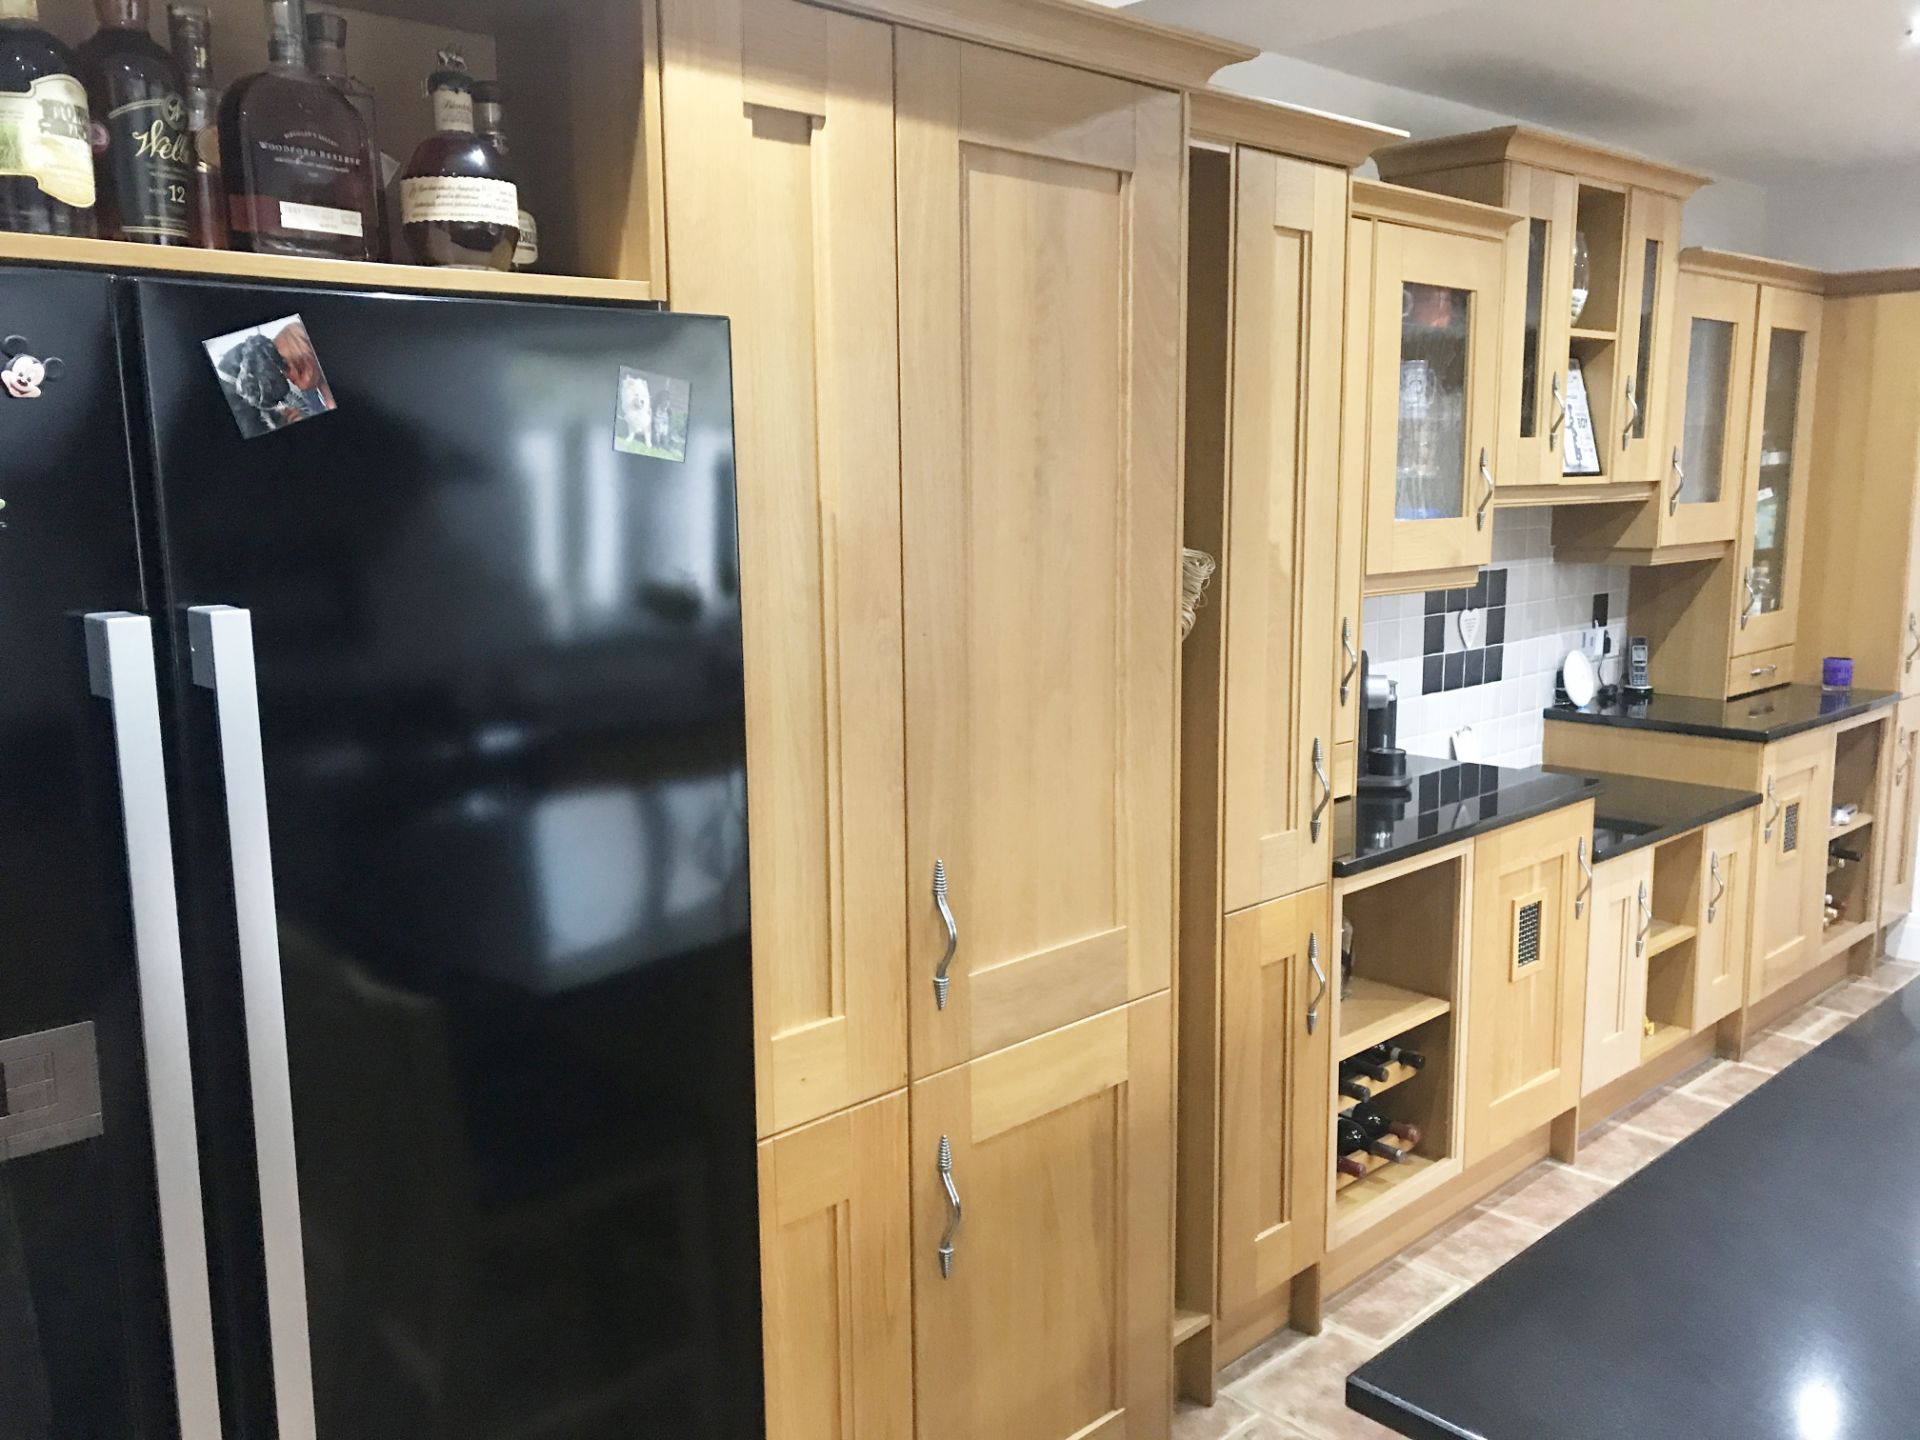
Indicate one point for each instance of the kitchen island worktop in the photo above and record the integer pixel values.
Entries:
(1761, 719)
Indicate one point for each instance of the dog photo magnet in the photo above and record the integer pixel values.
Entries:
(271, 376)
(651, 416)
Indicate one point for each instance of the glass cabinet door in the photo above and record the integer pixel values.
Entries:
(1779, 443)
(1547, 200)
(1713, 367)
(1647, 339)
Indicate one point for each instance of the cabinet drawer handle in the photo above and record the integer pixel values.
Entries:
(1559, 414)
(1633, 416)
(1585, 892)
(1760, 670)
(1353, 659)
(1719, 886)
(1766, 831)
(954, 1212)
(940, 978)
(1486, 479)
(1913, 633)
(1679, 483)
(1326, 791)
(1313, 959)
(1646, 923)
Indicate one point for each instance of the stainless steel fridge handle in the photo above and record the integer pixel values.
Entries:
(222, 642)
(1719, 886)
(120, 669)
(1581, 895)
(1326, 792)
(941, 981)
(1353, 659)
(954, 1213)
(1313, 959)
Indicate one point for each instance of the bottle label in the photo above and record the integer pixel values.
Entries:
(322, 220)
(527, 253)
(44, 135)
(453, 111)
(148, 158)
(459, 200)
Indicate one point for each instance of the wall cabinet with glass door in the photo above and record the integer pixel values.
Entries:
(1429, 321)
(1587, 344)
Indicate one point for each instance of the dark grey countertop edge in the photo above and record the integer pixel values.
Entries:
(1346, 869)
(1749, 801)
(1364, 1398)
(1718, 732)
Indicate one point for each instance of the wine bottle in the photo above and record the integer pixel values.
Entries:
(1348, 1165)
(1378, 1124)
(1354, 1090)
(1351, 1136)
(1391, 1054)
(1366, 1066)
(46, 154)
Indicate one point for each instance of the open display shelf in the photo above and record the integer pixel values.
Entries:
(1861, 820)
(1666, 934)
(1663, 1039)
(1375, 1012)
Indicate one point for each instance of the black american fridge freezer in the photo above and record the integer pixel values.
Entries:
(375, 1000)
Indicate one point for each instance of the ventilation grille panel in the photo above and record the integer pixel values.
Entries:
(1790, 832)
(1527, 936)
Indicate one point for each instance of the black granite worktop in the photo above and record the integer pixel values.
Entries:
(1631, 812)
(1759, 1280)
(1761, 719)
(1448, 800)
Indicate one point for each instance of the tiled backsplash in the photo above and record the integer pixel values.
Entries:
(1532, 612)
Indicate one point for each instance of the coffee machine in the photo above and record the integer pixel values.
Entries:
(1383, 764)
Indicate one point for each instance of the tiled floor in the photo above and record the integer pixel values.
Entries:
(1294, 1386)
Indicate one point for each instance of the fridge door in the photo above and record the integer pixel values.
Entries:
(105, 1330)
(457, 664)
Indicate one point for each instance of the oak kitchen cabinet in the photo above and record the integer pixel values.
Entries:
(1901, 840)
(1627, 210)
(1788, 888)
(1725, 918)
(1616, 988)
(1428, 295)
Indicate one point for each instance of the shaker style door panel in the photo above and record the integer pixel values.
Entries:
(1274, 1115)
(1709, 391)
(1900, 840)
(836, 1282)
(1289, 270)
(1040, 253)
(780, 162)
(1042, 1283)
(1640, 452)
(1435, 400)
(1726, 919)
(1780, 485)
(1790, 881)
(1616, 969)
(1528, 984)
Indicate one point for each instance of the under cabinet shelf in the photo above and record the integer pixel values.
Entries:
(1665, 935)
(1860, 821)
(1374, 1012)
(1663, 1039)
(1189, 1323)
(1588, 333)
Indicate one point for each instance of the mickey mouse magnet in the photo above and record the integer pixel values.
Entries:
(25, 372)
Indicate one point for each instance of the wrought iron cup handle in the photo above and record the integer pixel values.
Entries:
(1633, 416)
(1326, 792)
(1767, 829)
(1719, 887)
(1679, 483)
(954, 1212)
(1313, 959)
(1585, 892)
(940, 978)
(1559, 414)
(1486, 479)
(1646, 923)
(1353, 658)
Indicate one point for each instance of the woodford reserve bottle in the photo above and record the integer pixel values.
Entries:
(143, 151)
(46, 160)
(457, 205)
(327, 55)
(191, 29)
(489, 119)
(294, 155)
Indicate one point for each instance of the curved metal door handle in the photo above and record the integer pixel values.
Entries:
(1326, 791)
(1719, 886)
(1767, 829)
(940, 977)
(1913, 633)
(1353, 658)
(1486, 479)
(1313, 959)
(954, 1212)
(1559, 414)
(1753, 597)
(222, 642)
(1646, 922)
(121, 671)
(1679, 483)
(1633, 416)
(1585, 892)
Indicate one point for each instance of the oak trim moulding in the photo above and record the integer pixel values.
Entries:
(1397, 204)
(1755, 269)
(1073, 32)
(1523, 145)
(1874, 282)
(1296, 130)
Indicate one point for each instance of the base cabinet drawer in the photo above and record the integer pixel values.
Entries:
(1760, 671)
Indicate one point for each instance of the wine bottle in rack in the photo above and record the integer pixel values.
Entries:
(1380, 1125)
(1354, 1090)
(1390, 1054)
(1351, 1137)
(1363, 1067)
(1349, 1165)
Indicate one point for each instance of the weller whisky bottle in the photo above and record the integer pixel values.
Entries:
(143, 153)
(457, 204)
(489, 119)
(46, 155)
(294, 155)
(191, 29)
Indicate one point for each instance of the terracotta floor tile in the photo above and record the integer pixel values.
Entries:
(1728, 1083)
(1382, 1305)
(1775, 1052)
(1261, 1355)
(1307, 1388)
(1675, 1115)
(1891, 975)
(1481, 1246)
(1265, 1427)
(1815, 1024)
(1621, 1152)
(1226, 1418)
(1852, 999)
(1547, 1195)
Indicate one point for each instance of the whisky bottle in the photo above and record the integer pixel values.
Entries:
(457, 203)
(143, 155)
(294, 155)
(46, 158)
(191, 30)
(489, 119)
(327, 56)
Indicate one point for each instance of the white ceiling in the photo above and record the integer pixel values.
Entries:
(1766, 90)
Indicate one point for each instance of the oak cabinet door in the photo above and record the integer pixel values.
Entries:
(1773, 527)
(1648, 283)
(1435, 401)
(780, 162)
(1790, 879)
(1528, 983)
(1040, 253)
(836, 1277)
(1289, 269)
(1548, 199)
(1903, 817)
(1616, 969)
(1726, 919)
(1047, 1318)
(1275, 1101)
(1710, 391)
